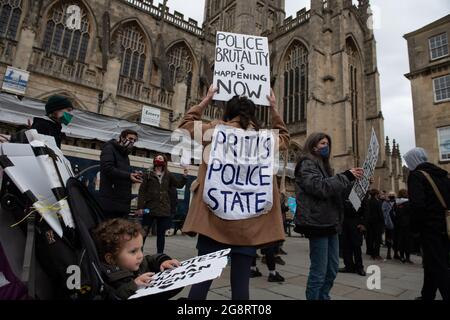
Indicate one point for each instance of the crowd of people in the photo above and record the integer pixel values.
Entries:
(414, 221)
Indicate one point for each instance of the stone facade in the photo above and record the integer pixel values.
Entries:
(429, 74)
(130, 53)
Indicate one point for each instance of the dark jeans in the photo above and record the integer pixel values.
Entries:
(324, 255)
(351, 248)
(405, 240)
(373, 241)
(436, 266)
(270, 258)
(240, 279)
(162, 225)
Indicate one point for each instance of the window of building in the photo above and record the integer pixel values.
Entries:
(180, 64)
(10, 12)
(439, 46)
(444, 143)
(296, 84)
(60, 39)
(441, 88)
(133, 49)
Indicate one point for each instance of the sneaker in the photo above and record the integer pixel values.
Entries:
(279, 261)
(345, 270)
(255, 273)
(282, 252)
(275, 278)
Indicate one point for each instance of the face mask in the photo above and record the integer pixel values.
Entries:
(127, 144)
(392, 198)
(66, 118)
(324, 152)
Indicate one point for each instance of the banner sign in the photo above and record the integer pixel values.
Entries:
(242, 67)
(192, 271)
(239, 179)
(361, 187)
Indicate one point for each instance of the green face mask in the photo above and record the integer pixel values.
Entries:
(66, 118)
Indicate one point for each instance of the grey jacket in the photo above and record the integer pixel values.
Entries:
(320, 198)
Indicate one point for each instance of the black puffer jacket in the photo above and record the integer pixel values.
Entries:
(49, 127)
(427, 213)
(320, 198)
(115, 181)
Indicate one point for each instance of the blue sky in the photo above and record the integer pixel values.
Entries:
(392, 19)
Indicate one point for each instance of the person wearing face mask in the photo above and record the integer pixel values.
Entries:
(58, 112)
(154, 195)
(116, 176)
(320, 211)
(388, 208)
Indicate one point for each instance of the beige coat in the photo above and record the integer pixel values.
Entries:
(258, 231)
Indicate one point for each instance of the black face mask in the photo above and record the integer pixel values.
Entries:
(127, 144)
(392, 199)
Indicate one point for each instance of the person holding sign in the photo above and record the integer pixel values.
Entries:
(320, 199)
(124, 267)
(236, 202)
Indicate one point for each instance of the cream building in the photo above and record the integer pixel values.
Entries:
(429, 74)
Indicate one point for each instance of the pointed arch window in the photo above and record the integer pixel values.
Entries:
(180, 64)
(60, 39)
(133, 51)
(295, 84)
(353, 69)
(10, 13)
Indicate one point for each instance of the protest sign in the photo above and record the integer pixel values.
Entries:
(192, 271)
(242, 67)
(239, 179)
(361, 187)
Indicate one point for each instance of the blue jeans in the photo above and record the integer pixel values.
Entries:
(324, 256)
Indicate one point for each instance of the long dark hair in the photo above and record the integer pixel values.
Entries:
(308, 150)
(243, 107)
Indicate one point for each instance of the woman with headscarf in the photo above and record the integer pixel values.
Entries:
(428, 218)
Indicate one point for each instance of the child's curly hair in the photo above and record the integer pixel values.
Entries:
(110, 236)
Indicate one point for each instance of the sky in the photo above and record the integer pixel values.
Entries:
(392, 19)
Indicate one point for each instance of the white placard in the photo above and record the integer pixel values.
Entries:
(192, 271)
(151, 116)
(361, 187)
(242, 67)
(15, 80)
(239, 178)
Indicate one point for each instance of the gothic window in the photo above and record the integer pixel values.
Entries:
(180, 64)
(296, 84)
(353, 69)
(60, 39)
(133, 52)
(10, 12)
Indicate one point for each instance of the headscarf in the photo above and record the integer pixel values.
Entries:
(415, 157)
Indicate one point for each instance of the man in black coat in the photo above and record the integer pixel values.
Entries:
(374, 222)
(428, 218)
(116, 177)
(352, 238)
